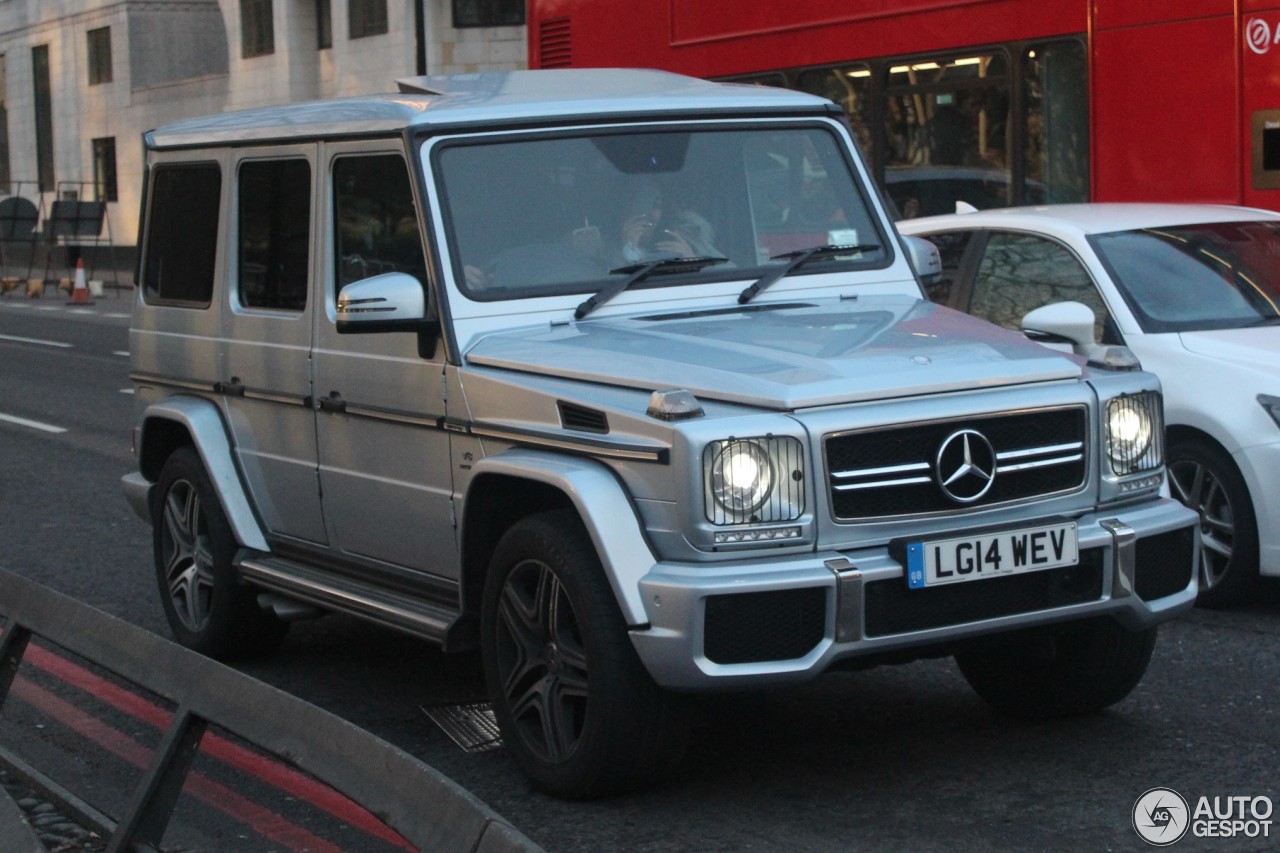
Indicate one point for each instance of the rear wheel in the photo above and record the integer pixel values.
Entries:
(1058, 670)
(207, 608)
(1206, 480)
(577, 709)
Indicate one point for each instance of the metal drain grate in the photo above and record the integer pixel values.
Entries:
(472, 727)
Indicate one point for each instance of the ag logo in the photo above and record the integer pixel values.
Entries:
(1258, 35)
(1161, 816)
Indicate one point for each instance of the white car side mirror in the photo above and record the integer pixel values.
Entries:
(924, 258)
(1060, 322)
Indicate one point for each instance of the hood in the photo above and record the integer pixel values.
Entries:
(784, 355)
(1253, 348)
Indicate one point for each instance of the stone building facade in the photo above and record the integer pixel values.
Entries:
(82, 80)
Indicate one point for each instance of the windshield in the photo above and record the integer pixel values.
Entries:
(1221, 275)
(574, 213)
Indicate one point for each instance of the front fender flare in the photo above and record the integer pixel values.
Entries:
(606, 512)
(203, 422)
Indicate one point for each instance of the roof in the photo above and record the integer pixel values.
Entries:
(511, 97)
(1093, 218)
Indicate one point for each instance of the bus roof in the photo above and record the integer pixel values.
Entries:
(512, 97)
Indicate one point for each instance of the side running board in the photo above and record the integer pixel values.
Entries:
(397, 610)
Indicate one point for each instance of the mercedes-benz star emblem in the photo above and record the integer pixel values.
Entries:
(966, 466)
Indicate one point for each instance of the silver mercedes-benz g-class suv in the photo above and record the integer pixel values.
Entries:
(627, 380)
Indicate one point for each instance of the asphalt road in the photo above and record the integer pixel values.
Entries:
(897, 757)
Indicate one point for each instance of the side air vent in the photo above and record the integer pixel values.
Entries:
(582, 419)
(555, 43)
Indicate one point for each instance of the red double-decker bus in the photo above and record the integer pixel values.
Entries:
(991, 102)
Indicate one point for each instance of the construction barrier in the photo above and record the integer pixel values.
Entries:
(427, 809)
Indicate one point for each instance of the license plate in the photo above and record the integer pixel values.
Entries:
(992, 555)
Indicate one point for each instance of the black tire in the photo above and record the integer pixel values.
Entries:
(1058, 670)
(208, 609)
(1204, 478)
(578, 712)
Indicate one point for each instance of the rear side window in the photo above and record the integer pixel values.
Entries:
(182, 235)
(275, 234)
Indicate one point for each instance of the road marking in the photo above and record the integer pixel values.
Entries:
(39, 342)
(122, 352)
(33, 424)
(118, 316)
(126, 390)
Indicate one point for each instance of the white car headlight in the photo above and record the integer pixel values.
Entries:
(1134, 433)
(754, 480)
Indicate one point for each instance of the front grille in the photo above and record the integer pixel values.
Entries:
(893, 608)
(920, 468)
(1165, 562)
(751, 627)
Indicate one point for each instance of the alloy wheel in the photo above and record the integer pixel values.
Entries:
(188, 556)
(1196, 486)
(541, 661)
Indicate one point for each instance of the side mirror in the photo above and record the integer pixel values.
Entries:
(1061, 323)
(391, 302)
(924, 258)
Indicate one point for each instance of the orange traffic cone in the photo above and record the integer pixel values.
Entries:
(80, 292)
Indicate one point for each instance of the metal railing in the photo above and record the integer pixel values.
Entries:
(427, 809)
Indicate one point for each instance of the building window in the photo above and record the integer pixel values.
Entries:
(44, 116)
(104, 169)
(324, 25)
(4, 128)
(488, 13)
(257, 32)
(99, 56)
(367, 18)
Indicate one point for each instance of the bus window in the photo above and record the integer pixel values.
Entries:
(850, 87)
(947, 133)
(1056, 92)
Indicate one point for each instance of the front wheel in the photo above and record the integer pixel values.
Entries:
(578, 712)
(207, 608)
(1058, 670)
(1205, 479)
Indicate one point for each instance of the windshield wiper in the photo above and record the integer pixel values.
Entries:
(799, 258)
(639, 272)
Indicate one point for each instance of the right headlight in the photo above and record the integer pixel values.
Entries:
(753, 480)
(1134, 433)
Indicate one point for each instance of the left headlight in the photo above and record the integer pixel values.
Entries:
(1134, 433)
(750, 480)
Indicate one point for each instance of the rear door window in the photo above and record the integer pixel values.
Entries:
(275, 234)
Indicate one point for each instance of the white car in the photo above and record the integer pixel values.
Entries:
(1194, 292)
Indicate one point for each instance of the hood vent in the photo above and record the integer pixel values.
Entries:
(582, 419)
(555, 44)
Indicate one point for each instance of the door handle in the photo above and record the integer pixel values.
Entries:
(333, 404)
(231, 388)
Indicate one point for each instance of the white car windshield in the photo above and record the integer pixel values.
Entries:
(1219, 275)
(573, 213)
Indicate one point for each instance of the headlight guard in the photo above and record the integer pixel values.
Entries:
(753, 480)
(1133, 433)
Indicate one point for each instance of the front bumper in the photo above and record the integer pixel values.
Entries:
(789, 619)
